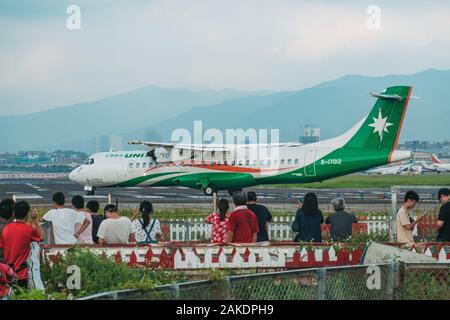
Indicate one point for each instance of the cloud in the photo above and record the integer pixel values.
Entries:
(247, 45)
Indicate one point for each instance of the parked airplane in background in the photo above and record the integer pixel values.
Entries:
(391, 170)
(441, 167)
(410, 168)
(370, 143)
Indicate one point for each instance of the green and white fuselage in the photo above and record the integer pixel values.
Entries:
(369, 143)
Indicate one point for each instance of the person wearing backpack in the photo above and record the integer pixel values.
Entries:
(146, 229)
(243, 222)
(7, 280)
(16, 239)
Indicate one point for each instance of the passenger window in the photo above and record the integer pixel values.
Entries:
(282, 162)
(296, 161)
(269, 162)
(289, 161)
(275, 162)
(138, 165)
(144, 165)
(247, 162)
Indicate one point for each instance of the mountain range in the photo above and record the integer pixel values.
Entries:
(152, 113)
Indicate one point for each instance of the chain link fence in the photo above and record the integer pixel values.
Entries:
(393, 281)
(430, 282)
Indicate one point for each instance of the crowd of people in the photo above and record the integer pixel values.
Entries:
(247, 223)
(20, 230)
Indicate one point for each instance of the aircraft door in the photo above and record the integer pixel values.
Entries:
(131, 166)
(310, 163)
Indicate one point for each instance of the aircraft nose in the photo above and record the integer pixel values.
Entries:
(73, 175)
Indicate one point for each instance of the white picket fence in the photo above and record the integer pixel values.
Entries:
(195, 229)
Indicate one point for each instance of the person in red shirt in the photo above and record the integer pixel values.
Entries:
(220, 222)
(16, 239)
(243, 222)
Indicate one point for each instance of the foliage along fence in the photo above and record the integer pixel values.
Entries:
(397, 281)
(193, 230)
(189, 256)
(375, 226)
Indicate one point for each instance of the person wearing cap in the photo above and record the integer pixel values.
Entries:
(115, 229)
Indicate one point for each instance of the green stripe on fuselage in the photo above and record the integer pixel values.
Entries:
(339, 162)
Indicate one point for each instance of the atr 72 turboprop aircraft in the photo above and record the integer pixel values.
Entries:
(369, 143)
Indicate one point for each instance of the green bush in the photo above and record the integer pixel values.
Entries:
(100, 274)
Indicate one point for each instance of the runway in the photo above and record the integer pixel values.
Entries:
(39, 192)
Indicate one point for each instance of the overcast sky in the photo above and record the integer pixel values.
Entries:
(245, 45)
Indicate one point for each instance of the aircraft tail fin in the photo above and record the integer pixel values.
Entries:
(435, 159)
(381, 128)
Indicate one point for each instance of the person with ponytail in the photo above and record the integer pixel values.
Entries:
(220, 222)
(146, 228)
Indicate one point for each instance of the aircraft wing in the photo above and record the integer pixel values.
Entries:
(209, 147)
(168, 145)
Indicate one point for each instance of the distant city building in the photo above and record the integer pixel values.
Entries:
(107, 142)
(310, 135)
(440, 148)
(42, 158)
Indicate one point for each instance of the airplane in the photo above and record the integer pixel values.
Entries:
(393, 170)
(369, 143)
(440, 167)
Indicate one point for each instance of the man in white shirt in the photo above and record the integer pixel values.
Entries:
(85, 237)
(115, 229)
(64, 221)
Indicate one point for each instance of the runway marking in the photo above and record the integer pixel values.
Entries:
(38, 188)
(95, 197)
(147, 197)
(28, 196)
(200, 197)
(133, 188)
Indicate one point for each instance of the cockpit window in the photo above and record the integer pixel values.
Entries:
(89, 161)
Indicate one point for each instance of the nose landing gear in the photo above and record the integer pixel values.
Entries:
(90, 191)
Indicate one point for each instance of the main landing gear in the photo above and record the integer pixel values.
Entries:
(209, 190)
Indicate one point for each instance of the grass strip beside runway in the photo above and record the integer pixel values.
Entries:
(375, 181)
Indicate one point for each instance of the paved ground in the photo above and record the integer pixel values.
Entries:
(40, 191)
